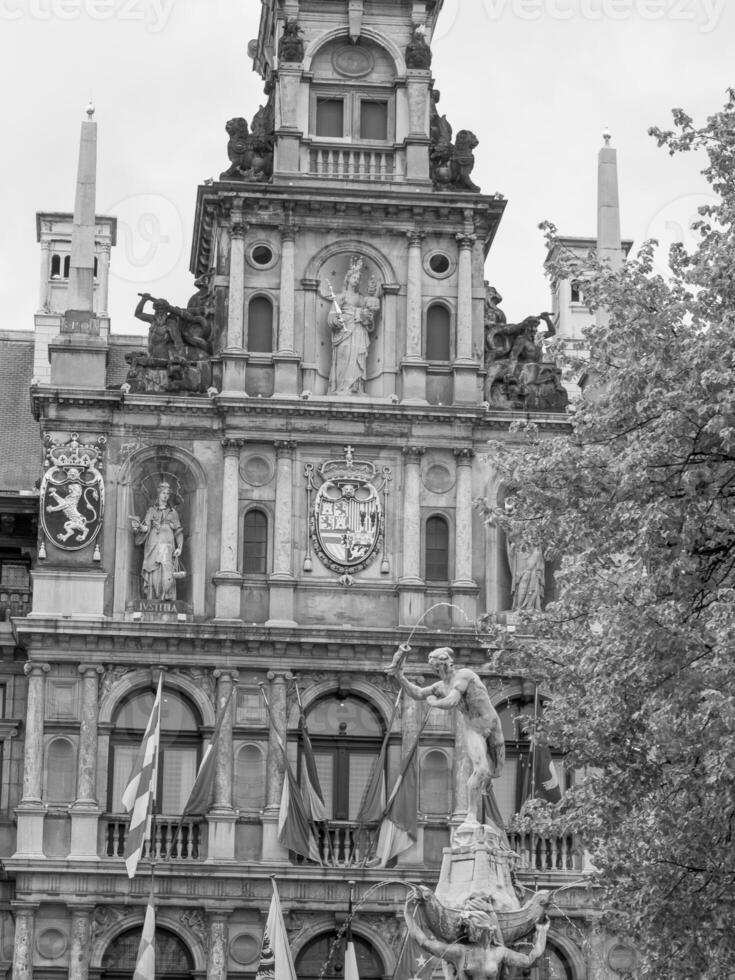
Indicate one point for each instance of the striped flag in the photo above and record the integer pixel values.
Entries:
(399, 828)
(202, 792)
(294, 831)
(141, 790)
(276, 962)
(310, 786)
(145, 965)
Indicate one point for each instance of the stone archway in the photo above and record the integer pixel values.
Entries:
(174, 960)
(320, 957)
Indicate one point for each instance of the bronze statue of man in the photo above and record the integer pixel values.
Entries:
(463, 689)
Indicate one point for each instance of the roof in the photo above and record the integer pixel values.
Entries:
(20, 441)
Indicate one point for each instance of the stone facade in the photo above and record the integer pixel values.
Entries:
(320, 528)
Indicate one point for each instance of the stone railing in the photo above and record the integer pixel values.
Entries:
(539, 853)
(351, 163)
(14, 602)
(170, 842)
(344, 844)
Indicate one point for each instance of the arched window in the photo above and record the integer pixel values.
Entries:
(67, 262)
(346, 734)
(55, 266)
(436, 552)
(250, 778)
(179, 749)
(260, 325)
(172, 956)
(434, 795)
(438, 329)
(96, 266)
(255, 543)
(61, 772)
(310, 963)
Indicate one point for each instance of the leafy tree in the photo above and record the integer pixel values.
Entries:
(637, 503)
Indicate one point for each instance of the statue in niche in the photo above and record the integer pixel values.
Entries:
(517, 375)
(527, 564)
(291, 47)
(418, 52)
(450, 163)
(179, 352)
(250, 150)
(352, 322)
(162, 536)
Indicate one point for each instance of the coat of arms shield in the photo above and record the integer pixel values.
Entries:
(72, 494)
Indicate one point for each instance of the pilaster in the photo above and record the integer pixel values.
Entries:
(25, 927)
(234, 359)
(286, 360)
(282, 581)
(228, 580)
(465, 366)
(273, 850)
(85, 811)
(411, 584)
(464, 589)
(31, 809)
(81, 940)
(222, 816)
(218, 943)
(413, 368)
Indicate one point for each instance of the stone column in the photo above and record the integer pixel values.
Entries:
(221, 818)
(31, 809)
(464, 589)
(414, 366)
(388, 332)
(275, 765)
(234, 358)
(466, 388)
(103, 279)
(81, 939)
(85, 811)
(411, 717)
(418, 85)
(25, 922)
(228, 581)
(286, 360)
(411, 584)
(282, 581)
(218, 943)
(309, 365)
(43, 290)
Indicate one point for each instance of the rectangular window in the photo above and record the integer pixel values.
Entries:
(250, 708)
(361, 769)
(373, 120)
(124, 760)
(14, 576)
(179, 773)
(62, 700)
(330, 117)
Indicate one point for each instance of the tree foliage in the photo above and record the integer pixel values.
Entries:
(637, 503)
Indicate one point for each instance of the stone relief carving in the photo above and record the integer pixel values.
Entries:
(290, 46)
(195, 922)
(161, 534)
(103, 917)
(352, 324)
(418, 52)
(517, 375)
(250, 149)
(180, 347)
(201, 678)
(450, 163)
(72, 492)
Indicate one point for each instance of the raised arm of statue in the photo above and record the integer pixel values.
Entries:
(139, 314)
(512, 958)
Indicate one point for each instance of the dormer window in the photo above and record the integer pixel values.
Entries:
(330, 117)
(356, 116)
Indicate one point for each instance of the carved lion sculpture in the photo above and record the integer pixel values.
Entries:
(463, 160)
(239, 149)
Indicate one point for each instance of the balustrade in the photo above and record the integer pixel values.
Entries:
(350, 163)
(344, 844)
(539, 853)
(167, 844)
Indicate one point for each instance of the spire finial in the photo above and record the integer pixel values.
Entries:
(90, 110)
(607, 135)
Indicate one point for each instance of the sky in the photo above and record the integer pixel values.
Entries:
(536, 80)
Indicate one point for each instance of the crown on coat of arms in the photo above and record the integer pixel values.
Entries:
(349, 468)
(74, 453)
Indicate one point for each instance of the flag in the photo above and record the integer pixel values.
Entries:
(202, 792)
(294, 831)
(413, 962)
(351, 972)
(372, 805)
(140, 792)
(145, 965)
(399, 828)
(276, 962)
(546, 779)
(310, 786)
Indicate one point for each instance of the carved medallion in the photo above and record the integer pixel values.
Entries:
(352, 61)
(72, 493)
(346, 522)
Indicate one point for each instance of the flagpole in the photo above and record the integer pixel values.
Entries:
(533, 743)
(302, 717)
